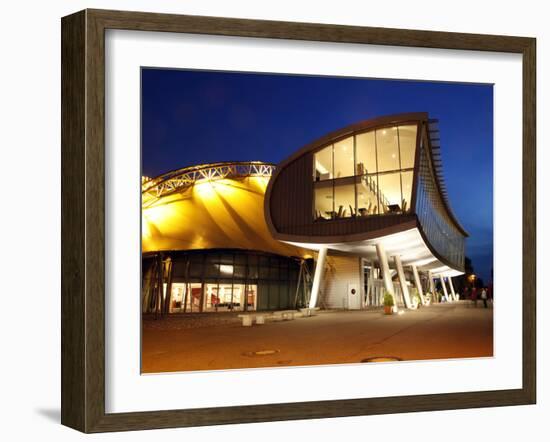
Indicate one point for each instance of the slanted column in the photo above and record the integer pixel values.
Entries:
(402, 281)
(453, 294)
(318, 276)
(432, 286)
(418, 285)
(444, 288)
(385, 268)
(370, 285)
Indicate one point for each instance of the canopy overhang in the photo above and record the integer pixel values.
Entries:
(408, 244)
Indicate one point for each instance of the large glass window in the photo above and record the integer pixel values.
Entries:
(387, 149)
(323, 164)
(381, 162)
(390, 192)
(211, 298)
(406, 186)
(367, 198)
(235, 285)
(344, 199)
(178, 295)
(343, 158)
(324, 208)
(365, 152)
(407, 145)
(251, 297)
(193, 298)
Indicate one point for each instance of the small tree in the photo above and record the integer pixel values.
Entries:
(388, 299)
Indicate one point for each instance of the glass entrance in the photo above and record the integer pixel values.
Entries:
(193, 298)
(177, 297)
(251, 297)
(211, 298)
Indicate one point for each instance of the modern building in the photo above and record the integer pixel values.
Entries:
(206, 246)
(370, 200)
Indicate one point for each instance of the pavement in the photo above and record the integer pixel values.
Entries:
(218, 341)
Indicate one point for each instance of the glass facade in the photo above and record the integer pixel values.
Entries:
(442, 233)
(222, 281)
(365, 174)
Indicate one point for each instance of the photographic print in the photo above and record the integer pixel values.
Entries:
(295, 220)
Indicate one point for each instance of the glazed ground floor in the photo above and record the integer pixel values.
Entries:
(223, 280)
(241, 281)
(185, 342)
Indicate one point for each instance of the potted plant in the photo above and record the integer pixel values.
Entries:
(388, 303)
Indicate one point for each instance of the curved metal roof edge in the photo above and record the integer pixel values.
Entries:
(175, 172)
(439, 179)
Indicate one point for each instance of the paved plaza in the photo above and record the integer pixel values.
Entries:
(218, 341)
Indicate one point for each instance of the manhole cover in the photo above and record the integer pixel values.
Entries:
(382, 359)
(260, 353)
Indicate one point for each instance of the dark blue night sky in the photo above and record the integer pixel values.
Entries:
(195, 117)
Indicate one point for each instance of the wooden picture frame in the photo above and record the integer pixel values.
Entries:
(83, 220)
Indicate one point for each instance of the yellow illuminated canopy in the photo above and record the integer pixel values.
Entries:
(215, 211)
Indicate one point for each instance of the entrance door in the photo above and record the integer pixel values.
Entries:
(354, 297)
(177, 298)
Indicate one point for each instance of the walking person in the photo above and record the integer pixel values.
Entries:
(484, 297)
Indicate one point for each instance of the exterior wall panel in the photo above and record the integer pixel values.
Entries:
(442, 234)
(294, 187)
(339, 272)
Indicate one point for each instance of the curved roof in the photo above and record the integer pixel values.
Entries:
(210, 207)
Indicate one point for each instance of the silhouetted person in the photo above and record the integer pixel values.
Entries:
(484, 297)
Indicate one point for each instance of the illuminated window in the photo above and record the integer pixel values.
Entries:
(193, 298)
(324, 208)
(367, 198)
(407, 145)
(226, 270)
(406, 185)
(365, 152)
(370, 173)
(176, 300)
(343, 158)
(390, 192)
(323, 164)
(211, 298)
(387, 149)
(251, 297)
(344, 200)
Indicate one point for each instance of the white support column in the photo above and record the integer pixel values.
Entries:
(370, 285)
(444, 288)
(402, 281)
(418, 284)
(453, 294)
(318, 276)
(432, 286)
(388, 285)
